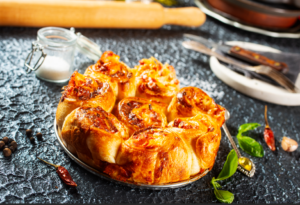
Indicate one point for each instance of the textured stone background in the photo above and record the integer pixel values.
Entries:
(26, 102)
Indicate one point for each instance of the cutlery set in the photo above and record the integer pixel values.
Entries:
(264, 65)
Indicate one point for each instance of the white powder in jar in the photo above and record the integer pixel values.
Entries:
(54, 68)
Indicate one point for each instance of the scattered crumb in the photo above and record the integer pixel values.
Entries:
(56, 187)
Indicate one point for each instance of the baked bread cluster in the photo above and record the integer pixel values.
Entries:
(136, 124)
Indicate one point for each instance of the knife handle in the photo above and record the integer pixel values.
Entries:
(256, 58)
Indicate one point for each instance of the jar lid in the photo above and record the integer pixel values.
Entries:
(87, 47)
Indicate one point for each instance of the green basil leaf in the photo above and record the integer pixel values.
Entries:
(246, 127)
(251, 146)
(217, 185)
(229, 167)
(224, 196)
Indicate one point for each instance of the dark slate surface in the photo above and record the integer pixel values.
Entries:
(26, 102)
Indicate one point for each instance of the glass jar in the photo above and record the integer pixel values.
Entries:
(56, 49)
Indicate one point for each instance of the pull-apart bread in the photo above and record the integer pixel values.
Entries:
(137, 125)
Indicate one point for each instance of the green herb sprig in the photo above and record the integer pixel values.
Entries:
(248, 144)
(229, 168)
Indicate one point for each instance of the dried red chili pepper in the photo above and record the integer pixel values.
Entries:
(62, 173)
(268, 134)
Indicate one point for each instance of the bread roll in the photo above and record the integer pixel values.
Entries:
(83, 90)
(156, 81)
(139, 113)
(120, 77)
(155, 156)
(94, 135)
(191, 101)
(203, 135)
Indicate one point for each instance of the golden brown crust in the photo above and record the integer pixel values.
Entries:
(207, 147)
(202, 133)
(93, 135)
(139, 145)
(139, 113)
(191, 101)
(155, 156)
(200, 122)
(83, 90)
(118, 74)
(156, 81)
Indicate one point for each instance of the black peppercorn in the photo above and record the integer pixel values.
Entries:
(32, 139)
(10, 140)
(5, 140)
(2, 144)
(28, 132)
(7, 152)
(12, 149)
(39, 136)
(14, 144)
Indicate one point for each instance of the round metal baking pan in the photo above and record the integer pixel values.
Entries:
(207, 10)
(131, 184)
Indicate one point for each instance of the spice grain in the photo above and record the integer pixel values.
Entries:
(5, 140)
(7, 152)
(12, 149)
(14, 144)
(28, 132)
(39, 136)
(2, 144)
(32, 140)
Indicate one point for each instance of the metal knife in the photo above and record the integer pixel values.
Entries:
(242, 54)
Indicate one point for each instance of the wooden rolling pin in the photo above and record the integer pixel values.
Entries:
(95, 14)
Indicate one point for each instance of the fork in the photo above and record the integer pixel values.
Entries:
(260, 69)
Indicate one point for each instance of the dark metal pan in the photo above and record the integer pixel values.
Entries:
(257, 14)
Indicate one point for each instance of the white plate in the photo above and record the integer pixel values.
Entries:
(253, 87)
